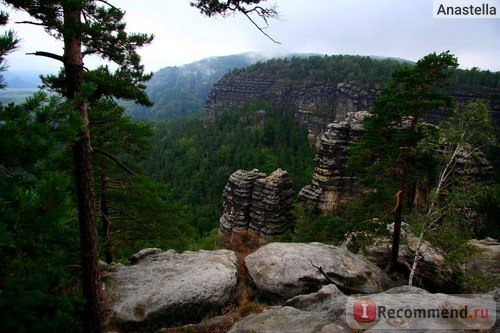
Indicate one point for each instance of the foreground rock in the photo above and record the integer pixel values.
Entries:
(329, 311)
(165, 289)
(283, 270)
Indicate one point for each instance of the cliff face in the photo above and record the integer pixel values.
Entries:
(315, 104)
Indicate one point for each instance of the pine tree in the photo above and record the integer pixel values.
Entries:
(388, 152)
(86, 28)
(8, 43)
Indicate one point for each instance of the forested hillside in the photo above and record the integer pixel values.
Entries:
(160, 184)
(322, 89)
(195, 160)
(182, 90)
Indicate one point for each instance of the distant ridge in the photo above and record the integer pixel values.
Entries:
(179, 91)
(21, 79)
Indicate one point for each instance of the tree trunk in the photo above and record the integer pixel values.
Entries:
(396, 235)
(84, 178)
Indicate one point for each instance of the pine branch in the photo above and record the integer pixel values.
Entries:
(114, 159)
(47, 55)
(261, 29)
(31, 22)
(5, 171)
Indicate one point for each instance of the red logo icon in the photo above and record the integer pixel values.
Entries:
(365, 311)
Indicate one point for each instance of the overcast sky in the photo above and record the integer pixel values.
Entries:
(395, 28)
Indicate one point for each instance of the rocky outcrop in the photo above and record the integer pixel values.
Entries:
(314, 104)
(332, 184)
(284, 270)
(237, 196)
(164, 289)
(328, 310)
(256, 203)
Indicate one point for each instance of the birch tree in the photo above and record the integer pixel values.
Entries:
(464, 132)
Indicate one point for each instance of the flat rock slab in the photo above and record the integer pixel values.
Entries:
(329, 311)
(284, 270)
(165, 289)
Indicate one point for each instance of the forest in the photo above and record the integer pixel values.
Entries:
(81, 181)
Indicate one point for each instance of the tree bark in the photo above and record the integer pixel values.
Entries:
(83, 170)
(396, 234)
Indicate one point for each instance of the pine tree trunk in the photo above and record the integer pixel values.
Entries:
(396, 234)
(84, 178)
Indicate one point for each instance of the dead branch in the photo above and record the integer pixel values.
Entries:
(47, 55)
(30, 22)
(338, 284)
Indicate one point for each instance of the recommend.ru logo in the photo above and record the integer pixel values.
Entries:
(421, 311)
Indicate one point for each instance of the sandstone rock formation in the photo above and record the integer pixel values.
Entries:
(284, 270)
(332, 183)
(237, 202)
(164, 289)
(256, 203)
(326, 311)
(314, 105)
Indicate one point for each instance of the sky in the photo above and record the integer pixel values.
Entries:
(392, 28)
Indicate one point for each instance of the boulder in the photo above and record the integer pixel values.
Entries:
(330, 311)
(283, 270)
(165, 289)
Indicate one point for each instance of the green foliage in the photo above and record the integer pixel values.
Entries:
(488, 203)
(145, 214)
(394, 151)
(183, 90)
(38, 238)
(475, 77)
(8, 43)
(312, 228)
(367, 72)
(354, 226)
(471, 125)
(195, 160)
